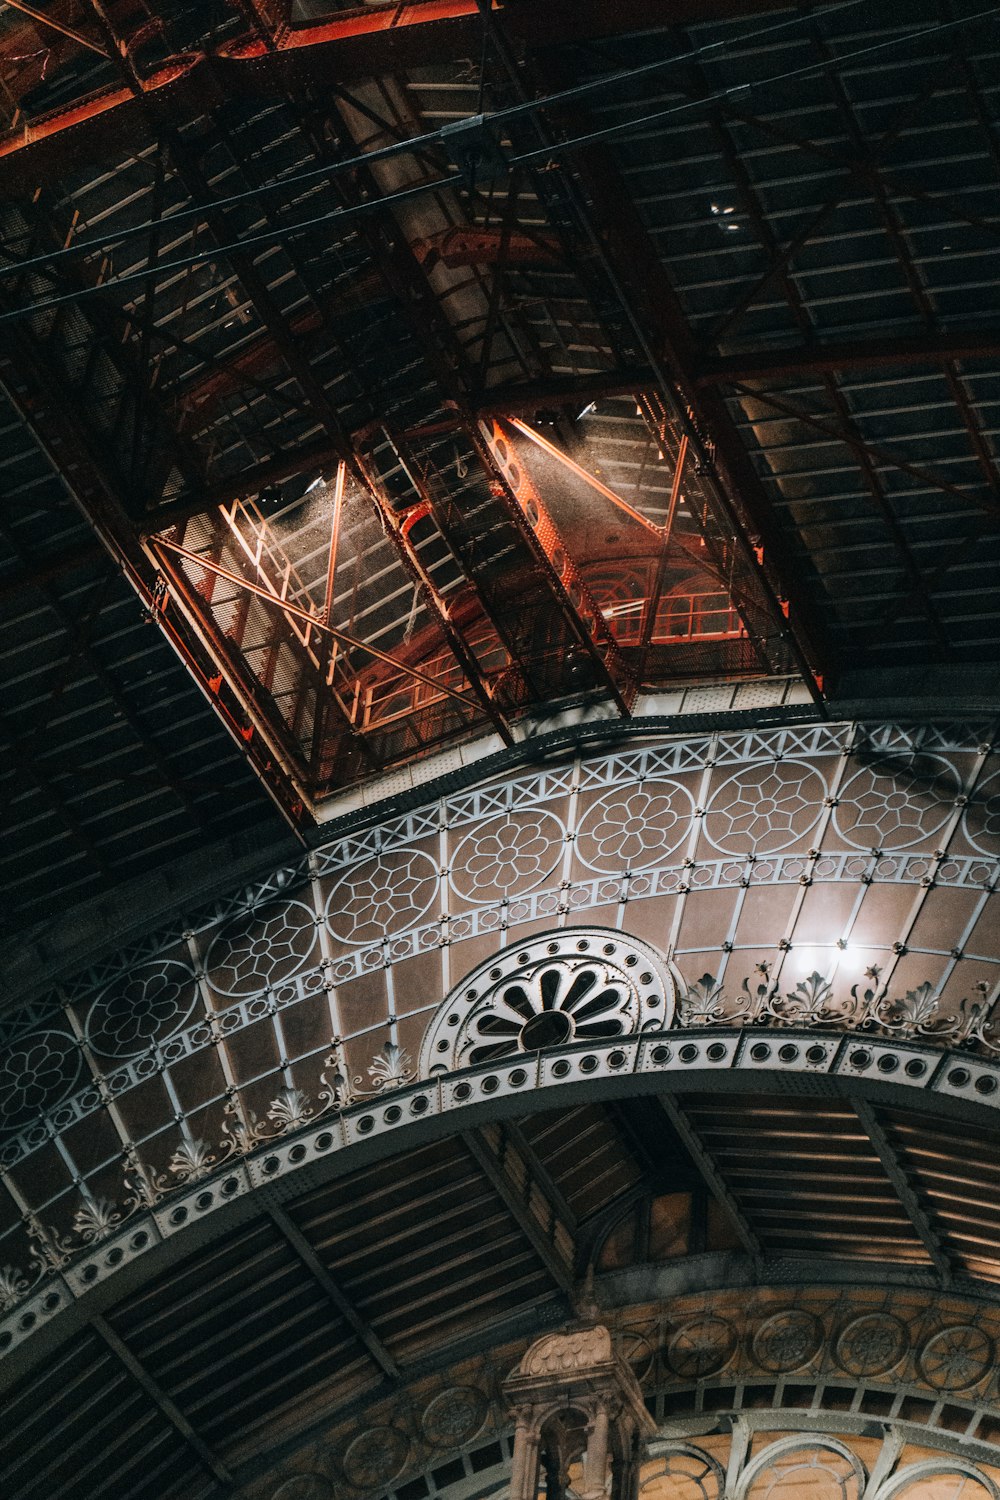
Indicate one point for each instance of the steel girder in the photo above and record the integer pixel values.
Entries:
(362, 44)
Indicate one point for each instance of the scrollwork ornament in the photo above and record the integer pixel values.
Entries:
(14, 1287)
(701, 1003)
(289, 1110)
(96, 1219)
(241, 1130)
(757, 997)
(192, 1160)
(49, 1252)
(390, 1068)
(810, 1003)
(139, 1183)
(336, 1092)
(813, 1002)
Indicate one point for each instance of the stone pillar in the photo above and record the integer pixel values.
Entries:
(576, 1401)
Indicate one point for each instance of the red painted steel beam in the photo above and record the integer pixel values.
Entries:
(470, 245)
(359, 44)
(296, 612)
(579, 605)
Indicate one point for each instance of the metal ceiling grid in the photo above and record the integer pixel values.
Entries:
(111, 766)
(87, 1394)
(258, 1333)
(588, 1159)
(414, 1268)
(957, 1176)
(757, 214)
(806, 1176)
(348, 1290)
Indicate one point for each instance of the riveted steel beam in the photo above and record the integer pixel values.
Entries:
(714, 1179)
(904, 1190)
(168, 1408)
(526, 1193)
(360, 44)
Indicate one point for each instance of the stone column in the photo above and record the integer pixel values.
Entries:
(575, 1397)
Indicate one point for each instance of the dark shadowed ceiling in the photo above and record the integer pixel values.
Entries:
(269, 309)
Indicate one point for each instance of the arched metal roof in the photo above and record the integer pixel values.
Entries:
(498, 536)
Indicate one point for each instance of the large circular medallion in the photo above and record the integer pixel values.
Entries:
(871, 1344)
(787, 1341)
(454, 1416)
(375, 1457)
(956, 1358)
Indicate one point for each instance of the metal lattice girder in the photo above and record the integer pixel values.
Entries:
(633, 273)
(578, 604)
(485, 526)
(512, 1171)
(472, 654)
(356, 46)
(285, 645)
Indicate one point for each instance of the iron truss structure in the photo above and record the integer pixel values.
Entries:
(501, 801)
(704, 1028)
(407, 369)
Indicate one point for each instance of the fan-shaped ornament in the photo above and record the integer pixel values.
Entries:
(583, 984)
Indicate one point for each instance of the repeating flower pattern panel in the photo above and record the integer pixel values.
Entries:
(979, 829)
(261, 949)
(897, 803)
(765, 809)
(505, 857)
(383, 897)
(634, 827)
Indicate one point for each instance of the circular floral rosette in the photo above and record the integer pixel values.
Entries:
(765, 808)
(141, 1008)
(894, 806)
(383, 896)
(262, 948)
(375, 1457)
(506, 856)
(787, 1341)
(635, 828)
(586, 984)
(36, 1074)
(981, 819)
(956, 1357)
(454, 1416)
(701, 1348)
(871, 1344)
